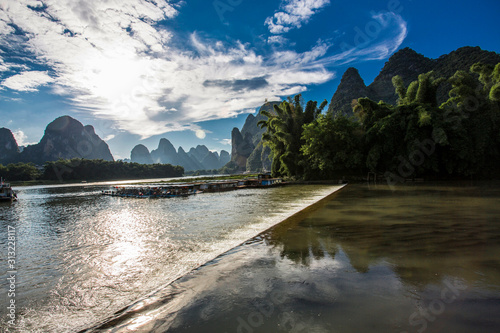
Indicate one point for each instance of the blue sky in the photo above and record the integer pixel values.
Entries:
(190, 71)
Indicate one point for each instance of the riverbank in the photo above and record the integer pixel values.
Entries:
(135, 181)
(418, 257)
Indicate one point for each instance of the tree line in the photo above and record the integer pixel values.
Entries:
(416, 137)
(89, 170)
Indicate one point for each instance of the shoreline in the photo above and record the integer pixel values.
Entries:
(123, 317)
(33, 184)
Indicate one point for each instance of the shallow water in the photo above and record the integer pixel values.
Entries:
(82, 256)
(422, 258)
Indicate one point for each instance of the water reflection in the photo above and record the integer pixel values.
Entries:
(422, 258)
(424, 233)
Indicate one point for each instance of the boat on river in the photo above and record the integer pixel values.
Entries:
(160, 191)
(6, 192)
(220, 186)
(262, 181)
(187, 189)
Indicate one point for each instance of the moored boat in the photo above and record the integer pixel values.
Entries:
(163, 191)
(173, 190)
(6, 192)
(262, 181)
(220, 186)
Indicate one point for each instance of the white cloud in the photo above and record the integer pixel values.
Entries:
(27, 81)
(22, 138)
(279, 40)
(294, 13)
(391, 30)
(226, 142)
(112, 59)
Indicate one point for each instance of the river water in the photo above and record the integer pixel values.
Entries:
(81, 256)
(419, 258)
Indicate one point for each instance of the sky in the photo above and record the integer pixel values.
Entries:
(191, 70)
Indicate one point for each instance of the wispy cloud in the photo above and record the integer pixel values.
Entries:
(3, 66)
(225, 142)
(294, 13)
(116, 61)
(392, 32)
(27, 81)
(111, 58)
(278, 40)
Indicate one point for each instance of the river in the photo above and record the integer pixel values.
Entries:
(419, 258)
(81, 256)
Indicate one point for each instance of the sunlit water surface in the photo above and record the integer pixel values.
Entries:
(417, 258)
(82, 256)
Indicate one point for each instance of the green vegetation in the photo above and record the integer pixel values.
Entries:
(88, 170)
(202, 172)
(284, 135)
(332, 145)
(229, 168)
(414, 138)
(19, 172)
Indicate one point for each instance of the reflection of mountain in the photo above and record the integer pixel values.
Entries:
(424, 234)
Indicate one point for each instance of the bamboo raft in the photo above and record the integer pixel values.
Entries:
(188, 189)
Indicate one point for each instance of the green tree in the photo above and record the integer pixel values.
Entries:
(82, 169)
(394, 135)
(284, 134)
(461, 137)
(332, 145)
(21, 172)
(476, 113)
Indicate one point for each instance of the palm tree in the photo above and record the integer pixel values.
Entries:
(284, 131)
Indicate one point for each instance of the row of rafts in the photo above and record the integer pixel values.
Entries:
(187, 189)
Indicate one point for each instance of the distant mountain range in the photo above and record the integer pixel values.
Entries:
(64, 138)
(67, 138)
(199, 158)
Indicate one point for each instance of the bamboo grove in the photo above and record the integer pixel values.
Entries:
(417, 137)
